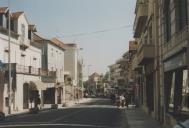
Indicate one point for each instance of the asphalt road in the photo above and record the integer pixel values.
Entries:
(98, 113)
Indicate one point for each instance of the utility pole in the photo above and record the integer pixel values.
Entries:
(9, 61)
(79, 71)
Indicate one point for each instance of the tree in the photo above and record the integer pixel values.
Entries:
(106, 77)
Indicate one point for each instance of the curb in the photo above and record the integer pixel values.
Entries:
(46, 109)
(27, 112)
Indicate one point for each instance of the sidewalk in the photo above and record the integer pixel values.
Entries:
(137, 118)
(48, 107)
(73, 103)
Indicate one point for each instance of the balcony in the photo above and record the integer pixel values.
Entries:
(134, 64)
(5, 31)
(24, 44)
(177, 43)
(141, 12)
(26, 70)
(145, 53)
(48, 76)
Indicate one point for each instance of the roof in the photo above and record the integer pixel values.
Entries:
(54, 41)
(37, 38)
(64, 45)
(58, 43)
(94, 74)
(15, 15)
(122, 60)
(3, 9)
(71, 45)
(32, 27)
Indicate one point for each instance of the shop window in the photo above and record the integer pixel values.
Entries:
(171, 92)
(185, 92)
(178, 92)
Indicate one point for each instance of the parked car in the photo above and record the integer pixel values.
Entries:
(184, 124)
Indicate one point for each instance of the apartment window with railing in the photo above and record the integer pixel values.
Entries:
(181, 14)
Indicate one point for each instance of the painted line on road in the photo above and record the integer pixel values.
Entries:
(66, 116)
(73, 125)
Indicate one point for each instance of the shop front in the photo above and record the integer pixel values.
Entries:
(176, 89)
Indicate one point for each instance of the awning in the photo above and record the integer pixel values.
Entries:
(37, 85)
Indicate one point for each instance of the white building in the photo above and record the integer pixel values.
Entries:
(71, 62)
(53, 66)
(25, 61)
(74, 67)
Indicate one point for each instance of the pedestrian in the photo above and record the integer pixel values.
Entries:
(117, 101)
(122, 101)
(126, 101)
(37, 102)
(77, 98)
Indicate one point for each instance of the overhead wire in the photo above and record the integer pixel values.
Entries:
(95, 32)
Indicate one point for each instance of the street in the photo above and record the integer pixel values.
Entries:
(98, 113)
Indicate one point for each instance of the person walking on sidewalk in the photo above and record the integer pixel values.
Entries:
(126, 100)
(77, 98)
(122, 101)
(117, 100)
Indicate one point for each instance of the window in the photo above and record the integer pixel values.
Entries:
(30, 34)
(11, 25)
(150, 35)
(178, 91)
(181, 14)
(185, 92)
(52, 52)
(22, 32)
(167, 18)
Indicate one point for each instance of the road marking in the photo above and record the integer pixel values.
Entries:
(95, 106)
(73, 125)
(68, 115)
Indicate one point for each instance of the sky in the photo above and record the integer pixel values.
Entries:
(102, 28)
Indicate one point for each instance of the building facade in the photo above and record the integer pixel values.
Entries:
(161, 30)
(145, 33)
(52, 69)
(74, 67)
(173, 39)
(25, 63)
